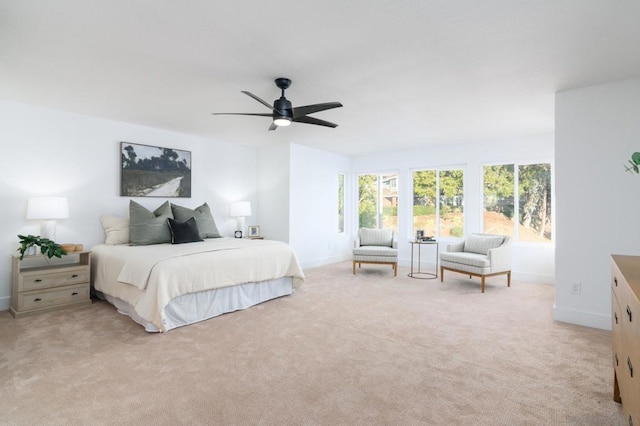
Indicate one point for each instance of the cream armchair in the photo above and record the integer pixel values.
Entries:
(480, 255)
(377, 246)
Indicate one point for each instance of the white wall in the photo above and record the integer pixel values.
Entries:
(314, 206)
(298, 189)
(597, 130)
(50, 152)
(274, 192)
(531, 262)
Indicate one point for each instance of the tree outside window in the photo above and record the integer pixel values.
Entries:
(378, 201)
(522, 192)
(438, 207)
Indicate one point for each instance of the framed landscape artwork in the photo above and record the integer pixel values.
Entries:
(154, 171)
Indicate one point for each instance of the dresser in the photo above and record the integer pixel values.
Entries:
(625, 318)
(39, 284)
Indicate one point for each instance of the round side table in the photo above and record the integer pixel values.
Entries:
(418, 273)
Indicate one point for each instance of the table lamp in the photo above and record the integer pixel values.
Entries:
(48, 209)
(240, 210)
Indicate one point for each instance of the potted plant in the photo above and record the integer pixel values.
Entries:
(47, 247)
(635, 163)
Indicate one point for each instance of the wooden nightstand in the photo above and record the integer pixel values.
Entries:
(38, 286)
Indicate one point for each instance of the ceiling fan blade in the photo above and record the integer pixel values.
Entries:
(263, 102)
(312, 120)
(242, 113)
(273, 126)
(310, 109)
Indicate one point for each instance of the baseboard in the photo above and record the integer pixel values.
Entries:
(587, 319)
(326, 261)
(533, 278)
(5, 302)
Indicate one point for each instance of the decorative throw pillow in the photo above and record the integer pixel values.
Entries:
(481, 244)
(376, 237)
(147, 227)
(116, 229)
(204, 219)
(184, 232)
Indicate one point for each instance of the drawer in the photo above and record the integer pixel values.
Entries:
(58, 296)
(628, 374)
(616, 332)
(41, 280)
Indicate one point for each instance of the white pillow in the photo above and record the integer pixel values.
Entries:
(116, 229)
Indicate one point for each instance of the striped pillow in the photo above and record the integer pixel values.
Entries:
(376, 237)
(481, 244)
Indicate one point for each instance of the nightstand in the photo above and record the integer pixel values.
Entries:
(39, 286)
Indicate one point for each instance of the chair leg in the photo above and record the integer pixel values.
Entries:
(509, 279)
(482, 283)
(395, 269)
(354, 267)
(441, 274)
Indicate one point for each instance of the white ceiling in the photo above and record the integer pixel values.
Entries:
(410, 73)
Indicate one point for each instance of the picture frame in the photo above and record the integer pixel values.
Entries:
(253, 231)
(154, 171)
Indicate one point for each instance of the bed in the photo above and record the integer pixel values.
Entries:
(164, 286)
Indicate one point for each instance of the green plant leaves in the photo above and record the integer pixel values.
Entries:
(634, 162)
(47, 247)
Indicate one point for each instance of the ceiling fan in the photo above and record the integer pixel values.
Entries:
(283, 113)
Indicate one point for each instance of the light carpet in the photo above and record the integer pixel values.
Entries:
(368, 349)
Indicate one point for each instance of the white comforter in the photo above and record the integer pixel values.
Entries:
(148, 277)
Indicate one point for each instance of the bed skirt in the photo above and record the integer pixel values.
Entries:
(194, 307)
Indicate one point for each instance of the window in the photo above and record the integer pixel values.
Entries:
(518, 191)
(340, 202)
(378, 201)
(438, 207)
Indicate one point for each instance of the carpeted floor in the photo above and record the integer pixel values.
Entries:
(360, 350)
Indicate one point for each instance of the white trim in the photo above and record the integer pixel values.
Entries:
(5, 302)
(587, 319)
(326, 261)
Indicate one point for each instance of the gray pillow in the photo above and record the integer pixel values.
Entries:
(204, 219)
(148, 227)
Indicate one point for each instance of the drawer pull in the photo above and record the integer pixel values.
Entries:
(37, 299)
(74, 276)
(75, 293)
(38, 280)
(615, 281)
(629, 313)
(615, 315)
(630, 366)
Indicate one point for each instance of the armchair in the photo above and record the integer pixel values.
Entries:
(480, 255)
(378, 246)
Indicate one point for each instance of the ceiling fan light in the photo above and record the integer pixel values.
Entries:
(282, 121)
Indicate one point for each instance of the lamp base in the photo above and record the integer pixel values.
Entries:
(48, 229)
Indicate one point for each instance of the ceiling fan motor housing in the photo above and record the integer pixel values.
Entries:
(282, 109)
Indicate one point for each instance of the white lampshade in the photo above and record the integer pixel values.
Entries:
(240, 209)
(48, 208)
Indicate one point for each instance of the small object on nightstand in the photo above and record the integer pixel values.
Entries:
(68, 247)
(237, 234)
(253, 231)
(40, 286)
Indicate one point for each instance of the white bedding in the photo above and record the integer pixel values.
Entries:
(148, 277)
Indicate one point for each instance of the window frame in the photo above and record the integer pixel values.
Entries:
(516, 198)
(379, 207)
(438, 170)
